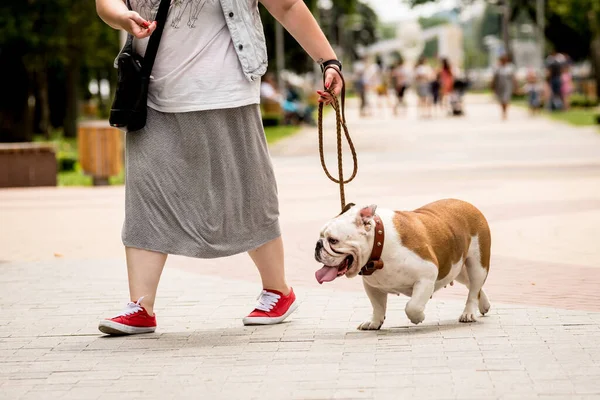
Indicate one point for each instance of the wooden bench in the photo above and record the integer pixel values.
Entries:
(27, 164)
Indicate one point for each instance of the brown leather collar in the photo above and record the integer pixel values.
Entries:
(375, 262)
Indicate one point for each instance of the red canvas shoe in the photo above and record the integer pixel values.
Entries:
(133, 320)
(272, 308)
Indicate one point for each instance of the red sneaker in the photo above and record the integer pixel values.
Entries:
(272, 308)
(134, 319)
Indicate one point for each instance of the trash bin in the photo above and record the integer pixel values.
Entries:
(100, 150)
(27, 164)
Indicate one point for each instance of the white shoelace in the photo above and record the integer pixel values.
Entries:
(267, 300)
(131, 308)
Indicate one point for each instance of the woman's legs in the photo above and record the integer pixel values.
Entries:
(144, 269)
(269, 261)
(504, 110)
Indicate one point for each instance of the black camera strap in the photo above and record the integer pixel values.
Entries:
(154, 41)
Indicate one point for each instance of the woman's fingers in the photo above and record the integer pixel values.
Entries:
(336, 86)
(333, 81)
(138, 26)
(135, 17)
(324, 97)
(141, 32)
(328, 79)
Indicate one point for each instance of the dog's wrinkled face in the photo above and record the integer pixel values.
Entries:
(345, 243)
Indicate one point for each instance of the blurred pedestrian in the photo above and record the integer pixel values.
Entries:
(422, 78)
(566, 85)
(383, 84)
(446, 78)
(434, 88)
(400, 81)
(554, 65)
(534, 90)
(296, 108)
(503, 83)
(373, 80)
(360, 85)
(269, 95)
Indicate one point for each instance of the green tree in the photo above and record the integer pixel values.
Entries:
(491, 25)
(296, 59)
(37, 38)
(28, 35)
(430, 22)
(91, 46)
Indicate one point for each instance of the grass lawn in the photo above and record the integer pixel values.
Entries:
(77, 178)
(480, 91)
(275, 133)
(66, 149)
(576, 116)
(573, 116)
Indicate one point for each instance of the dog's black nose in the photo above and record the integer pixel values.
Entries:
(318, 249)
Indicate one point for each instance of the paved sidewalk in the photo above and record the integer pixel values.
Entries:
(49, 347)
(537, 181)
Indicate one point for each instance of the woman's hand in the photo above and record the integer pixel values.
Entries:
(334, 84)
(137, 26)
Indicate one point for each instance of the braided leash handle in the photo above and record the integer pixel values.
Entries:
(340, 123)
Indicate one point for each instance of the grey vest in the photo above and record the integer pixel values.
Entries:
(246, 29)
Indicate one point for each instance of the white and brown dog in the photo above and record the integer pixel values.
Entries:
(413, 253)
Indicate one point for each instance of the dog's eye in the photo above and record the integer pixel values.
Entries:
(332, 241)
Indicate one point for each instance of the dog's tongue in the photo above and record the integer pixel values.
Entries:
(326, 274)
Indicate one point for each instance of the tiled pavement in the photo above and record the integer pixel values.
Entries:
(49, 347)
(537, 181)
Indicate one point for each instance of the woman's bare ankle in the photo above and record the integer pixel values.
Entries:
(148, 304)
(284, 289)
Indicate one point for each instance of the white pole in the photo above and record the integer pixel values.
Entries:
(279, 53)
(541, 22)
(506, 27)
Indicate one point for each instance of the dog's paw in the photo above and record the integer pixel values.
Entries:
(484, 304)
(370, 326)
(468, 316)
(416, 317)
(470, 313)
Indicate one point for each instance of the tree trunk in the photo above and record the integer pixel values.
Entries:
(594, 24)
(595, 56)
(101, 104)
(73, 67)
(506, 28)
(15, 117)
(42, 84)
(72, 99)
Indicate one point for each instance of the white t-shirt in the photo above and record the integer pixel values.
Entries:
(196, 67)
(373, 75)
(423, 73)
(401, 75)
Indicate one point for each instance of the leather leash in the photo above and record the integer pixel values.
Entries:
(340, 123)
(374, 262)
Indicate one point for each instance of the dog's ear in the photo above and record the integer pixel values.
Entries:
(365, 215)
(346, 208)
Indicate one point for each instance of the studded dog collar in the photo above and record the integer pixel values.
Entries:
(375, 262)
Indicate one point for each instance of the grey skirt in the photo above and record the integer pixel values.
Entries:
(200, 184)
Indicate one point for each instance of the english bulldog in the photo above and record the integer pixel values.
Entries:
(413, 253)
